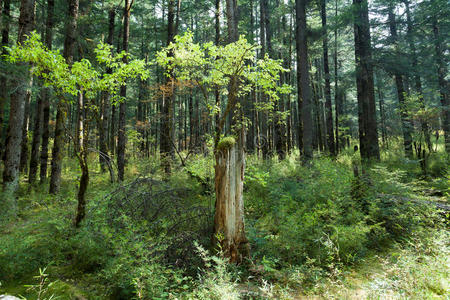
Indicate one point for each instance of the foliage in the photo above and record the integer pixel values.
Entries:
(213, 67)
(51, 66)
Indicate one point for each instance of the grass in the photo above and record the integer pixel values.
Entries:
(286, 205)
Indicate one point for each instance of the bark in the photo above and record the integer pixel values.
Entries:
(5, 18)
(121, 142)
(217, 42)
(81, 153)
(17, 106)
(262, 137)
(326, 69)
(42, 107)
(444, 85)
(229, 216)
(58, 142)
(382, 114)
(407, 125)
(229, 225)
(166, 138)
(337, 102)
(368, 135)
(35, 142)
(24, 153)
(104, 158)
(304, 86)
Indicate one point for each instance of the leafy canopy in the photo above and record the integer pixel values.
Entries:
(214, 66)
(82, 76)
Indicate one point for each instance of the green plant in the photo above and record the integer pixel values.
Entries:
(43, 285)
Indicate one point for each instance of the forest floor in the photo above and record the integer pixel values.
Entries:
(412, 272)
(414, 267)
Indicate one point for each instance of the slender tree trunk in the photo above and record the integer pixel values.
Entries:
(166, 105)
(5, 18)
(45, 99)
(407, 125)
(217, 42)
(326, 69)
(122, 138)
(337, 104)
(368, 135)
(42, 105)
(24, 153)
(444, 85)
(17, 109)
(58, 142)
(104, 157)
(304, 85)
(81, 153)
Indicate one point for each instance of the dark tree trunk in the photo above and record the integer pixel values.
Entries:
(166, 139)
(368, 135)
(304, 86)
(337, 98)
(407, 125)
(5, 18)
(17, 108)
(42, 106)
(382, 113)
(122, 138)
(104, 157)
(24, 153)
(326, 69)
(217, 42)
(81, 153)
(58, 143)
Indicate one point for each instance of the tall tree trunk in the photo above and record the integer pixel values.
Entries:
(17, 108)
(58, 142)
(217, 42)
(326, 69)
(122, 138)
(42, 105)
(382, 113)
(368, 135)
(104, 157)
(407, 125)
(45, 99)
(6, 15)
(81, 153)
(444, 85)
(166, 138)
(304, 86)
(24, 153)
(337, 103)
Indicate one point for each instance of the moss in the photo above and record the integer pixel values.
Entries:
(226, 143)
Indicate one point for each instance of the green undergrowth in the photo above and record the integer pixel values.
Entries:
(313, 230)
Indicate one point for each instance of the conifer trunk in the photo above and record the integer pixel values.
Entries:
(17, 108)
(121, 142)
(304, 86)
(58, 142)
(5, 18)
(368, 135)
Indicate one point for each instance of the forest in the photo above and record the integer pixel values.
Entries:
(224, 149)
